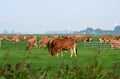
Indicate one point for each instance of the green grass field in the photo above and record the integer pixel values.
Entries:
(87, 54)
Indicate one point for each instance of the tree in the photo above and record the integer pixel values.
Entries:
(117, 29)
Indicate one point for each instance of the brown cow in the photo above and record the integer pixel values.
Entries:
(88, 39)
(31, 42)
(60, 44)
(26, 37)
(117, 37)
(83, 38)
(65, 36)
(105, 38)
(4, 37)
(101, 39)
(114, 43)
(44, 40)
(16, 38)
(68, 36)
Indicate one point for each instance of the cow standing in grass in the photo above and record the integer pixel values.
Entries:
(114, 43)
(16, 38)
(31, 42)
(113, 40)
(106, 38)
(82, 38)
(45, 39)
(60, 44)
(26, 37)
(4, 37)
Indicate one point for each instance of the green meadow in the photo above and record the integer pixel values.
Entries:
(94, 55)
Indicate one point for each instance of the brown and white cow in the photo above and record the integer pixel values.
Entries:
(89, 39)
(117, 37)
(105, 38)
(114, 43)
(44, 40)
(4, 37)
(60, 44)
(82, 38)
(16, 38)
(31, 42)
(26, 37)
(101, 40)
(68, 36)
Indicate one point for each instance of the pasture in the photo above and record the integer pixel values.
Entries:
(87, 54)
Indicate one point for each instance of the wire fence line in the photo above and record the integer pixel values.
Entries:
(97, 45)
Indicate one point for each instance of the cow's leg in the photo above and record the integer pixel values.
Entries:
(60, 51)
(111, 46)
(17, 41)
(71, 52)
(57, 54)
(61, 54)
(35, 45)
(75, 50)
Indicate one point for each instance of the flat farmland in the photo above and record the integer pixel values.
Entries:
(87, 54)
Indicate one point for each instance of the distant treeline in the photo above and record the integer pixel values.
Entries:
(98, 31)
(88, 30)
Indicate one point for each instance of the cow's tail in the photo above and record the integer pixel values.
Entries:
(49, 46)
(76, 50)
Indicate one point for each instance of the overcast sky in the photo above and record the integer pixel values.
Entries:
(39, 16)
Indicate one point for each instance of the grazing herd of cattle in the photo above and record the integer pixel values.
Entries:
(114, 40)
(56, 44)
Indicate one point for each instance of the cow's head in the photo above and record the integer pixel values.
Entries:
(53, 52)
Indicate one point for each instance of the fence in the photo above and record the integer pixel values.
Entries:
(97, 45)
